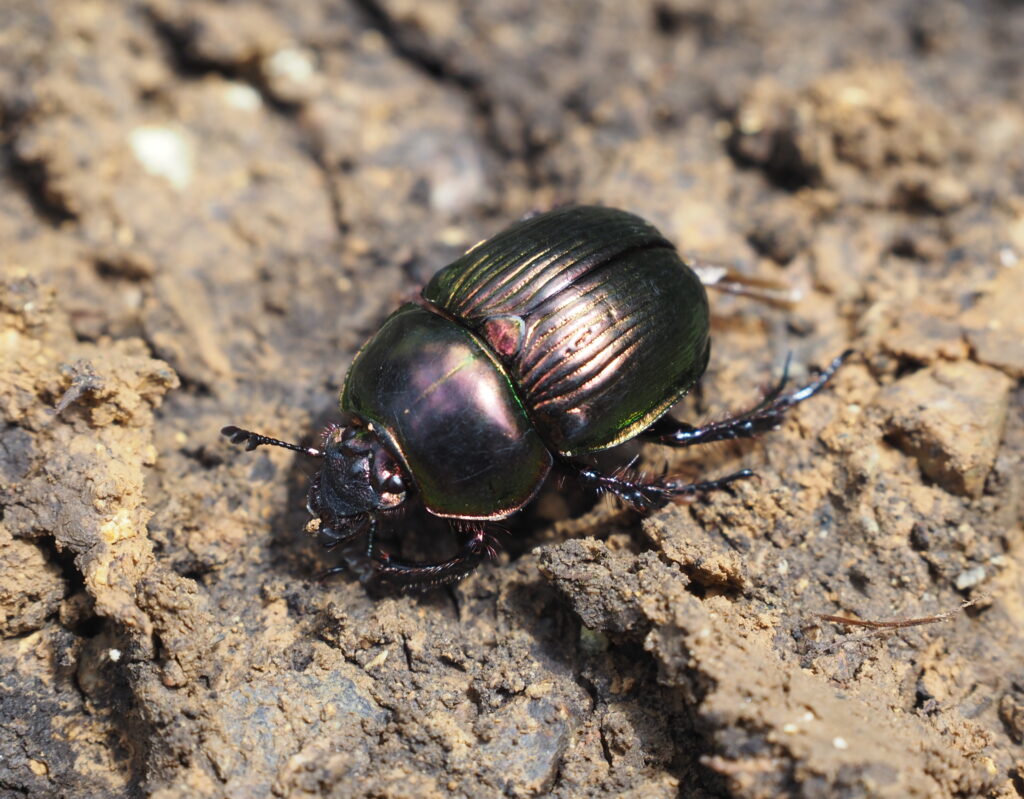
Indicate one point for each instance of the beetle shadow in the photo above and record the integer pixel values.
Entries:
(293, 550)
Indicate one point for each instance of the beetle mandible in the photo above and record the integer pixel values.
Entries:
(566, 334)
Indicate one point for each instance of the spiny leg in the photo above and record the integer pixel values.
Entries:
(330, 538)
(646, 493)
(765, 416)
(479, 546)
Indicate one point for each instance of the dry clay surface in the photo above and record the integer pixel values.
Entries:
(206, 207)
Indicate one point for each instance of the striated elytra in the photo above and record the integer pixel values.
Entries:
(564, 335)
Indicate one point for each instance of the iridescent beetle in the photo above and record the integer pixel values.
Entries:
(566, 334)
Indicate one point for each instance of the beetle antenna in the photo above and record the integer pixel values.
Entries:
(253, 440)
(722, 278)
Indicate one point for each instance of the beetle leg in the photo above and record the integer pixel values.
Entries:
(645, 494)
(477, 548)
(765, 416)
(331, 538)
(371, 538)
(728, 281)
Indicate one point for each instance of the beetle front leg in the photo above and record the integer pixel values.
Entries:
(478, 547)
(765, 416)
(645, 494)
(330, 539)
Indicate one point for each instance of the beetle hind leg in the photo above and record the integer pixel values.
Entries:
(645, 494)
(766, 415)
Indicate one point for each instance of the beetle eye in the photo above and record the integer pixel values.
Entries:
(393, 484)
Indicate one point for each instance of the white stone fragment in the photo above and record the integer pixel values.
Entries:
(292, 63)
(242, 97)
(164, 152)
(970, 578)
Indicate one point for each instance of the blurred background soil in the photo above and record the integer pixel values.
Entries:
(206, 207)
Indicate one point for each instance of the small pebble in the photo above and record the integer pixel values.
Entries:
(292, 63)
(163, 152)
(242, 97)
(969, 578)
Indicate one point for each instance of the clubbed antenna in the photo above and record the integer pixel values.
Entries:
(253, 440)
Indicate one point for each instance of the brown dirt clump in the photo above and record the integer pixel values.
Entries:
(205, 208)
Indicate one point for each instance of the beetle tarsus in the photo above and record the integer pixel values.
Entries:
(766, 415)
(647, 494)
(321, 576)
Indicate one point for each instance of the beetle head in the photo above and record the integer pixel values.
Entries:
(358, 477)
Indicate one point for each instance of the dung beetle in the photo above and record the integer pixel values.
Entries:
(568, 333)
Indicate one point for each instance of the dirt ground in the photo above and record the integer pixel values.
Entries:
(206, 207)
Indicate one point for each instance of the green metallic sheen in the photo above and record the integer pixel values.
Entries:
(600, 324)
(449, 409)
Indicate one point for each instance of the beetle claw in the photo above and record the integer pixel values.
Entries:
(321, 576)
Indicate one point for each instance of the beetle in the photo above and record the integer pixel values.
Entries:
(566, 334)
